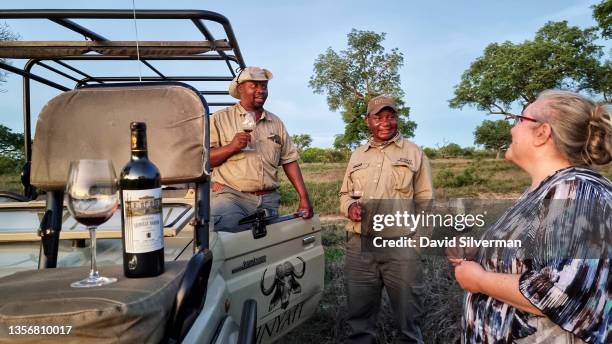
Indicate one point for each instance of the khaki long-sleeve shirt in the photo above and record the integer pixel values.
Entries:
(257, 170)
(400, 170)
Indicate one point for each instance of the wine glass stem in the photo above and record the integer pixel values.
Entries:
(93, 272)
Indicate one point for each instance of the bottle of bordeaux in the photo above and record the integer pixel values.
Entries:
(141, 210)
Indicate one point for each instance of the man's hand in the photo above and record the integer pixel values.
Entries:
(354, 212)
(218, 155)
(456, 255)
(469, 275)
(305, 209)
(240, 140)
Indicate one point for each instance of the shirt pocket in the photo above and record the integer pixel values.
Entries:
(359, 174)
(269, 150)
(403, 174)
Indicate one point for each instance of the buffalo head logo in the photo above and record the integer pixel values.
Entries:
(285, 284)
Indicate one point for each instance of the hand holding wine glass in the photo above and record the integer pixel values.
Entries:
(248, 125)
(356, 193)
(92, 199)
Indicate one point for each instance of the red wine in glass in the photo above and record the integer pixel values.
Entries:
(91, 196)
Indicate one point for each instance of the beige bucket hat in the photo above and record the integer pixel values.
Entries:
(248, 74)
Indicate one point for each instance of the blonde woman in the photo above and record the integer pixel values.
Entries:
(550, 290)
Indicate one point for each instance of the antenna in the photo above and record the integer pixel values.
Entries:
(137, 46)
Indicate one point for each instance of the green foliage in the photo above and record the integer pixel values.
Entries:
(431, 153)
(493, 135)
(10, 166)
(447, 178)
(602, 13)
(559, 57)
(450, 150)
(11, 144)
(353, 76)
(326, 155)
(301, 141)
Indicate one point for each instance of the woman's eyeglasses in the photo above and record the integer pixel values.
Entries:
(516, 119)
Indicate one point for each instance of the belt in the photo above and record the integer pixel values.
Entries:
(218, 186)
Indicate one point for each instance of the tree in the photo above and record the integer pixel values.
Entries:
(301, 141)
(493, 135)
(450, 150)
(603, 15)
(11, 144)
(560, 56)
(351, 77)
(6, 35)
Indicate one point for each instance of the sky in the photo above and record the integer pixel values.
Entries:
(439, 40)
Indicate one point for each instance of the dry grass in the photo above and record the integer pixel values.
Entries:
(485, 179)
(442, 300)
(492, 179)
(11, 182)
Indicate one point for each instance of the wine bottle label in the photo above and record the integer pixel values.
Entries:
(142, 217)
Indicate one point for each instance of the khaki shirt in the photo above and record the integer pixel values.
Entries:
(254, 170)
(399, 170)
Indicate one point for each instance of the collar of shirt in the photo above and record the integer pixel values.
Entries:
(397, 139)
(243, 112)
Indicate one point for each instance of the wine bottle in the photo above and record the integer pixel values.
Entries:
(141, 210)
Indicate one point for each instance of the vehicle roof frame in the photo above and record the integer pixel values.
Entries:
(64, 18)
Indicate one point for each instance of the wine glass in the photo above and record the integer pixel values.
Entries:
(248, 125)
(357, 192)
(92, 199)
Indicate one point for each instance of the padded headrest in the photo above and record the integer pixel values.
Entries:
(94, 123)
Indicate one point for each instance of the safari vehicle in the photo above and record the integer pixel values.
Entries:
(253, 284)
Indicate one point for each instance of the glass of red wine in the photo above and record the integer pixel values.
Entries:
(248, 125)
(91, 195)
(357, 192)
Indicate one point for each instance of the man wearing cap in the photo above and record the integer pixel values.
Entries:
(388, 166)
(246, 180)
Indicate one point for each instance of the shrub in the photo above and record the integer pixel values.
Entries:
(467, 177)
(10, 165)
(451, 150)
(431, 153)
(315, 154)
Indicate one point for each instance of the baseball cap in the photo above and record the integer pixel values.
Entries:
(376, 104)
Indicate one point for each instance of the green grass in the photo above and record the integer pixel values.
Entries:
(11, 182)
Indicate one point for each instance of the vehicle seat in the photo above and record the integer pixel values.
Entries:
(94, 123)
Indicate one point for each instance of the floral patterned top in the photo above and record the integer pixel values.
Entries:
(565, 226)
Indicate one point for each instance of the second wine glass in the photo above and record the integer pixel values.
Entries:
(248, 125)
(92, 199)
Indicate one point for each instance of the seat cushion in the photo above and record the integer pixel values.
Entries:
(132, 310)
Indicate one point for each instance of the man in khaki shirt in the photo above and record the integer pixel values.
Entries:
(245, 180)
(388, 166)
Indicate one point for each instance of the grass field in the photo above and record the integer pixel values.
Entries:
(486, 179)
(467, 178)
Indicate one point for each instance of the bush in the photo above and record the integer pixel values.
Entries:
(451, 150)
(10, 165)
(431, 153)
(325, 155)
(483, 154)
(467, 177)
